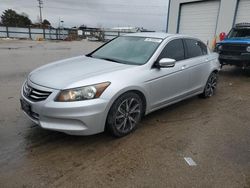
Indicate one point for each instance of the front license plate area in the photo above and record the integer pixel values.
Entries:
(228, 57)
(25, 106)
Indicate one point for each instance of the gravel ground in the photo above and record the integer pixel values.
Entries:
(214, 132)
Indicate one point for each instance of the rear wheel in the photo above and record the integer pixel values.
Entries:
(125, 114)
(211, 85)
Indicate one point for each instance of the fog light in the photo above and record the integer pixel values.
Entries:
(248, 49)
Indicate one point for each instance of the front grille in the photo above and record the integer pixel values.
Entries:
(230, 53)
(35, 94)
(234, 47)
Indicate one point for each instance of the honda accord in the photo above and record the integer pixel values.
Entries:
(114, 86)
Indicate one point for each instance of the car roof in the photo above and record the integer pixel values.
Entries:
(242, 25)
(160, 35)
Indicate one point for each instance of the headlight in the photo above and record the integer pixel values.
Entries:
(218, 47)
(248, 49)
(82, 93)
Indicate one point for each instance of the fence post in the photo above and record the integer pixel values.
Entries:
(59, 33)
(103, 36)
(118, 33)
(7, 31)
(56, 34)
(44, 37)
(30, 33)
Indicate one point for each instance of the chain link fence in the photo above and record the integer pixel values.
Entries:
(60, 33)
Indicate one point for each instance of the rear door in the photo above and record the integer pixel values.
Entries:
(197, 64)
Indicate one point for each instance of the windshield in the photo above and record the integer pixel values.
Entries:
(128, 50)
(239, 33)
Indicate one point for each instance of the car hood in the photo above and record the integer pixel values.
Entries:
(60, 74)
(235, 41)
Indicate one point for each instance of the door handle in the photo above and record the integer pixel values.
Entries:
(183, 67)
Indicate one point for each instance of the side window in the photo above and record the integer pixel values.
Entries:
(203, 48)
(193, 48)
(174, 50)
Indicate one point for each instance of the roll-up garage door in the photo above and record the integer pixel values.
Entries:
(243, 11)
(199, 19)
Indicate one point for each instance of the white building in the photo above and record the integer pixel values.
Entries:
(206, 19)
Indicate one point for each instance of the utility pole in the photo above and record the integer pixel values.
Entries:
(40, 6)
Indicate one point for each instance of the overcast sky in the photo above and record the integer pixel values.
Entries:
(150, 14)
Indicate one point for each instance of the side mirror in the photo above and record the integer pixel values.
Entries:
(166, 63)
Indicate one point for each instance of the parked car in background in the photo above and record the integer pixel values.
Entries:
(117, 84)
(235, 49)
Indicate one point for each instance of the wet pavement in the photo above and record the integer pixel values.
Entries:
(214, 132)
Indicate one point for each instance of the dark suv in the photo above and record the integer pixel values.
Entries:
(235, 49)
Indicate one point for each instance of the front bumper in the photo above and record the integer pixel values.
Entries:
(75, 118)
(238, 60)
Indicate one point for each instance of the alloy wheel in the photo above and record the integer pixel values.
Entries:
(127, 115)
(211, 85)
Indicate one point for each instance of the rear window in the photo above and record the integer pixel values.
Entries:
(203, 48)
(193, 48)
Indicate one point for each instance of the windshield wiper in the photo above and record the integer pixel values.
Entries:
(109, 59)
(88, 55)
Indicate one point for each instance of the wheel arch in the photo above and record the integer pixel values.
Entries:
(143, 98)
(216, 71)
(136, 90)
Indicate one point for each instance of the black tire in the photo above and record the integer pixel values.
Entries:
(211, 85)
(125, 114)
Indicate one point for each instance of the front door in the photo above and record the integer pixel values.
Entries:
(169, 84)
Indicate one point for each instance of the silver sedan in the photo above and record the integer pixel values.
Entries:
(113, 87)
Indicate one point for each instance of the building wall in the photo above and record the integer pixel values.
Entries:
(226, 15)
(225, 19)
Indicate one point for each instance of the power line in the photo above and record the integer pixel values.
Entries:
(40, 6)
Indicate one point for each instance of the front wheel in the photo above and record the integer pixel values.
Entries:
(211, 85)
(125, 114)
